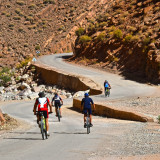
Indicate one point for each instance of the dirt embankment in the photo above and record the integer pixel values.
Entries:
(46, 26)
(125, 38)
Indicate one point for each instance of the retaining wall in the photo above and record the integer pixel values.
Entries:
(79, 83)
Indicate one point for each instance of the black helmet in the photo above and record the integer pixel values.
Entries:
(41, 94)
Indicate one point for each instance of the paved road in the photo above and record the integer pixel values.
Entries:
(109, 138)
(121, 88)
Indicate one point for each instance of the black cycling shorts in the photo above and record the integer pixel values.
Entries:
(44, 113)
(57, 104)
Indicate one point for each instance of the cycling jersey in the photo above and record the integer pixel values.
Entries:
(86, 102)
(42, 103)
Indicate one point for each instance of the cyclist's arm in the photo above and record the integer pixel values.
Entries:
(35, 108)
(82, 102)
(52, 101)
(50, 106)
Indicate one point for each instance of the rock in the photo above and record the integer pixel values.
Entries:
(69, 95)
(25, 92)
(80, 93)
(23, 86)
(24, 77)
(36, 89)
(1, 88)
(33, 96)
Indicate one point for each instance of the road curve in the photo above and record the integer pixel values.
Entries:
(121, 88)
(109, 138)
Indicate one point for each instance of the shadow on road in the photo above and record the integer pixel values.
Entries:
(25, 132)
(25, 138)
(69, 133)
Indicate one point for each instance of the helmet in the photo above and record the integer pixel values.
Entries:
(41, 94)
(56, 94)
(106, 81)
(86, 94)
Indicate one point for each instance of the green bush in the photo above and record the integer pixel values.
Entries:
(128, 38)
(49, 1)
(80, 31)
(84, 39)
(101, 36)
(37, 47)
(32, 6)
(23, 63)
(16, 18)
(21, 3)
(5, 76)
(117, 33)
(146, 41)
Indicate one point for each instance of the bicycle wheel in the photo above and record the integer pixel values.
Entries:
(88, 125)
(46, 134)
(58, 113)
(42, 130)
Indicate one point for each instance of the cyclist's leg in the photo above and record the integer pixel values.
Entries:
(45, 113)
(60, 110)
(85, 114)
(90, 114)
(56, 106)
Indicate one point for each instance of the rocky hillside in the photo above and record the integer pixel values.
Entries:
(124, 36)
(48, 26)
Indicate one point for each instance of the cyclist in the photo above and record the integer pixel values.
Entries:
(86, 106)
(2, 118)
(57, 103)
(106, 86)
(42, 102)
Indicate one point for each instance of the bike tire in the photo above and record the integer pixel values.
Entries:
(88, 125)
(58, 113)
(46, 134)
(42, 131)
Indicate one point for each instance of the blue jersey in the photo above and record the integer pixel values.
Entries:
(86, 102)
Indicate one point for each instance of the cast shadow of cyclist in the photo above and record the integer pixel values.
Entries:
(69, 132)
(33, 139)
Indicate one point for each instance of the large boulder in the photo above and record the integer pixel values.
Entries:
(33, 95)
(25, 92)
(23, 86)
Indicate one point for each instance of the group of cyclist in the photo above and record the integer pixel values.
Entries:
(43, 102)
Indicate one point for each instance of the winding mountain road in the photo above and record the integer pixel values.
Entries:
(121, 88)
(110, 139)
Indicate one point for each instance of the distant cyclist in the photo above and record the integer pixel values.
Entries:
(86, 106)
(42, 102)
(106, 85)
(58, 102)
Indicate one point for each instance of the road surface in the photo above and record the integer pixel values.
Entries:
(109, 138)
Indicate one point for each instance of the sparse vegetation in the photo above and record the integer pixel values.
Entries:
(5, 76)
(21, 3)
(84, 39)
(23, 63)
(37, 47)
(101, 36)
(49, 1)
(117, 33)
(80, 31)
(32, 6)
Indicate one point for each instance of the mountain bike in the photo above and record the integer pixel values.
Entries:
(107, 92)
(42, 125)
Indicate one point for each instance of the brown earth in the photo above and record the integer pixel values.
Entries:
(126, 37)
(10, 124)
(45, 26)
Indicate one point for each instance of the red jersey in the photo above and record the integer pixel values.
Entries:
(42, 104)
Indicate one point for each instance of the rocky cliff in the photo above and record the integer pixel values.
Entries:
(124, 37)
